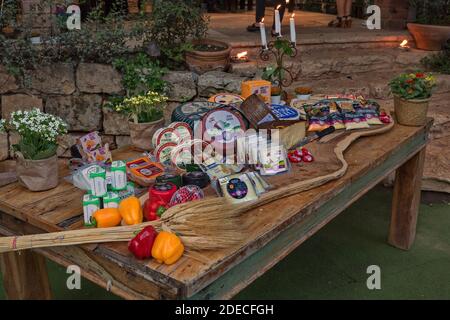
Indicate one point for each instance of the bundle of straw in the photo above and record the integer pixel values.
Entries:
(202, 225)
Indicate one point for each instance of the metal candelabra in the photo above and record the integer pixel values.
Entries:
(279, 48)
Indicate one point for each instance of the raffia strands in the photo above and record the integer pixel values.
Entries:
(208, 224)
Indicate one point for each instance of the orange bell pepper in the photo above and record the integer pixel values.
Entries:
(105, 218)
(167, 248)
(131, 211)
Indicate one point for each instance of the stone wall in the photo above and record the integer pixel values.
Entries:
(76, 93)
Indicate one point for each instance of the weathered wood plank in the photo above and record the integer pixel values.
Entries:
(406, 201)
(270, 222)
(25, 276)
(242, 274)
(100, 271)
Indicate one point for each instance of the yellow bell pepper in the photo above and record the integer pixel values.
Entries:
(167, 248)
(106, 218)
(131, 211)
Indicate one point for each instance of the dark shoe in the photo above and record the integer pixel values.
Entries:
(347, 22)
(338, 23)
(252, 28)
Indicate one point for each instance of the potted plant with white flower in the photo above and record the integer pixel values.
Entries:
(35, 153)
(146, 115)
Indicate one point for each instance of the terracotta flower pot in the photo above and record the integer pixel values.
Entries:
(133, 6)
(141, 134)
(429, 37)
(37, 175)
(148, 7)
(411, 112)
(203, 61)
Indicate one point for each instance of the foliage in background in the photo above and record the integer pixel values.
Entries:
(38, 133)
(148, 107)
(8, 13)
(141, 74)
(439, 62)
(174, 24)
(101, 39)
(413, 85)
(436, 12)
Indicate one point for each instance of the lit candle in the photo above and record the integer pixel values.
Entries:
(292, 28)
(277, 21)
(262, 28)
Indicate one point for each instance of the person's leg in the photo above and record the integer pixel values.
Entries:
(291, 6)
(260, 10)
(348, 13)
(340, 6)
(348, 8)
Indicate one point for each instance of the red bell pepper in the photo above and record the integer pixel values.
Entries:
(151, 209)
(141, 245)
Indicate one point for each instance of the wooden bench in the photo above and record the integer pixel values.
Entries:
(281, 227)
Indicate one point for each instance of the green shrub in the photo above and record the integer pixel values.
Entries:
(141, 74)
(439, 62)
(174, 24)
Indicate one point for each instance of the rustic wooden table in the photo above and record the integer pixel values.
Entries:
(297, 218)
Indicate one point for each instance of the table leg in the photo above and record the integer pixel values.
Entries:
(406, 201)
(25, 275)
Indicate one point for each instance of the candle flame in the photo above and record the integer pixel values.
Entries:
(278, 7)
(262, 20)
(241, 54)
(292, 15)
(404, 43)
(287, 1)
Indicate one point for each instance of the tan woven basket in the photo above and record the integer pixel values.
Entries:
(411, 112)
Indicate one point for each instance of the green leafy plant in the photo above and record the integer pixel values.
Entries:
(174, 24)
(148, 107)
(141, 74)
(276, 73)
(38, 133)
(439, 62)
(8, 13)
(411, 86)
(101, 39)
(435, 12)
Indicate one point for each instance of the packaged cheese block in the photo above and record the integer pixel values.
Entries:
(319, 123)
(355, 120)
(167, 135)
(163, 152)
(337, 120)
(184, 131)
(147, 173)
(259, 87)
(371, 116)
(237, 188)
(228, 99)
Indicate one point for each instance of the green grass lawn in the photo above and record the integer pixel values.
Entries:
(333, 263)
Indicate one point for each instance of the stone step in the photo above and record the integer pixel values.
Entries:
(337, 62)
(372, 84)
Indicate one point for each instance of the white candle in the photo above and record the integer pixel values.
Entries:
(277, 21)
(262, 29)
(292, 29)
